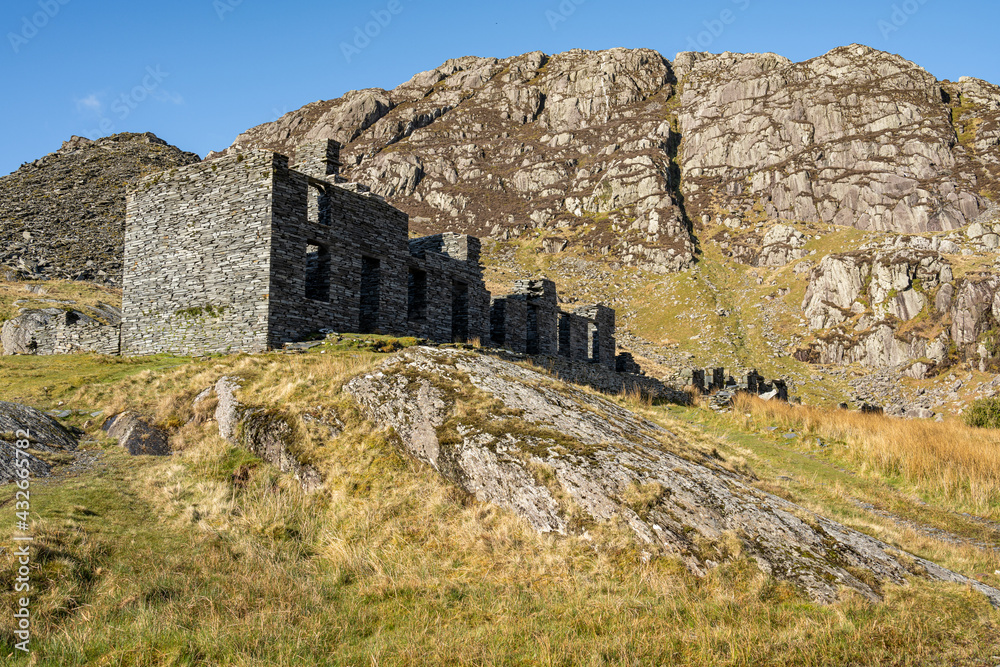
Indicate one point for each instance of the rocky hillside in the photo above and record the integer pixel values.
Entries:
(63, 215)
(619, 150)
(737, 210)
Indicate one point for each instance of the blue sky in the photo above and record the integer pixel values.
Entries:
(198, 72)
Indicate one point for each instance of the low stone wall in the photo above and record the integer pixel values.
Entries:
(709, 380)
(57, 331)
(599, 376)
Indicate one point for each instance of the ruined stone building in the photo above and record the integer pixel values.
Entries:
(246, 253)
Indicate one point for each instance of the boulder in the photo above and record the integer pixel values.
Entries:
(137, 436)
(265, 433)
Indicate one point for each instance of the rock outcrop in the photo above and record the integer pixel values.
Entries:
(45, 435)
(857, 137)
(975, 108)
(63, 215)
(893, 307)
(265, 433)
(137, 436)
(568, 461)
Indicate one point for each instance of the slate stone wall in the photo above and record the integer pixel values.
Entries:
(601, 347)
(542, 303)
(57, 331)
(358, 226)
(457, 303)
(247, 253)
(197, 258)
(508, 324)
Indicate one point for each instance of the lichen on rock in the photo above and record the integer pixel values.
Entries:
(567, 461)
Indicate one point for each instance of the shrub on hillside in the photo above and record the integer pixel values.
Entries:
(984, 413)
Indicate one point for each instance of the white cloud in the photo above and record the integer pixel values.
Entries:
(90, 103)
(161, 95)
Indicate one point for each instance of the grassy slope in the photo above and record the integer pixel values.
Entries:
(85, 294)
(680, 313)
(209, 557)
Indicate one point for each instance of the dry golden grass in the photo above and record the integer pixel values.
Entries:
(213, 557)
(634, 396)
(960, 463)
(85, 294)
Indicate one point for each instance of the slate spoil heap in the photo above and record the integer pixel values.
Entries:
(63, 215)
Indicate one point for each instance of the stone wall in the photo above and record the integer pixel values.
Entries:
(601, 344)
(364, 244)
(530, 321)
(709, 380)
(58, 331)
(247, 253)
(457, 303)
(197, 257)
(542, 307)
(509, 324)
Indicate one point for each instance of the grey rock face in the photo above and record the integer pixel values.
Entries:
(856, 137)
(137, 436)
(265, 434)
(569, 457)
(782, 245)
(976, 111)
(856, 300)
(44, 433)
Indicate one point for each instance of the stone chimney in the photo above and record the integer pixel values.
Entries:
(319, 159)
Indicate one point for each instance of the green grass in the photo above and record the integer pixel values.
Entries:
(43, 381)
(984, 413)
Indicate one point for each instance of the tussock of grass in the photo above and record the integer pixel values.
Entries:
(946, 459)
